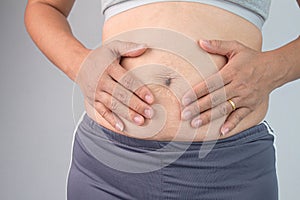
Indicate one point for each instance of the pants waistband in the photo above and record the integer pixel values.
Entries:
(254, 133)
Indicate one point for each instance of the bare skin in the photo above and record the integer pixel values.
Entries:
(53, 36)
(158, 15)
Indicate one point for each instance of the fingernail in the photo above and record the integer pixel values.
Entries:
(224, 131)
(138, 120)
(205, 42)
(138, 47)
(197, 123)
(186, 101)
(149, 113)
(119, 126)
(149, 98)
(186, 115)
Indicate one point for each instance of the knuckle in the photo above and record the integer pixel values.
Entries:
(106, 48)
(104, 113)
(244, 84)
(113, 44)
(104, 84)
(111, 68)
(141, 91)
(90, 91)
(122, 95)
(138, 106)
(197, 90)
(195, 108)
(231, 71)
(211, 86)
(128, 81)
(241, 88)
(104, 98)
(111, 51)
(223, 110)
(119, 48)
(216, 43)
(98, 96)
(101, 85)
(102, 110)
(215, 99)
(237, 117)
(252, 105)
(232, 124)
(114, 105)
(114, 50)
(126, 47)
(206, 118)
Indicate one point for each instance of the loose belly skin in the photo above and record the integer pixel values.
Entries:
(196, 21)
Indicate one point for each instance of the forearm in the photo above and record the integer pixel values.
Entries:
(284, 63)
(51, 32)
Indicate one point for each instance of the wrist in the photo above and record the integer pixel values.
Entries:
(277, 69)
(76, 62)
(284, 63)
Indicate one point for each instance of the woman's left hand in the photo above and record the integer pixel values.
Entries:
(246, 81)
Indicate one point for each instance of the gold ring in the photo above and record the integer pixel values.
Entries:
(232, 104)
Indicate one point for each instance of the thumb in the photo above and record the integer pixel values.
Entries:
(225, 48)
(127, 49)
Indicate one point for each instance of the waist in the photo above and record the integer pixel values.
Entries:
(91, 132)
(194, 21)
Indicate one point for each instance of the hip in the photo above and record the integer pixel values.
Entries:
(169, 73)
(107, 164)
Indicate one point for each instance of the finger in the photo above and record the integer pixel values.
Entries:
(207, 102)
(125, 96)
(211, 84)
(109, 116)
(212, 114)
(130, 82)
(131, 100)
(127, 49)
(120, 109)
(225, 48)
(234, 119)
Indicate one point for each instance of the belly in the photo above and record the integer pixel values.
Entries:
(169, 74)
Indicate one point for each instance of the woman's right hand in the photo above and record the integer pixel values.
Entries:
(112, 90)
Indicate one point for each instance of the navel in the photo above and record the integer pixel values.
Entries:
(168, 81)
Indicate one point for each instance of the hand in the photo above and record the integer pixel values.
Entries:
(246, 81)
(112, 90)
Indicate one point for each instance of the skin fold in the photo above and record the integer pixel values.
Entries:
(249, 75)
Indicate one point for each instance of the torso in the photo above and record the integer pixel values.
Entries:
(196, 21)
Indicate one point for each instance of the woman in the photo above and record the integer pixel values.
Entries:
(115, 156)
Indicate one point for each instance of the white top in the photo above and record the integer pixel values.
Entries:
(255, 11)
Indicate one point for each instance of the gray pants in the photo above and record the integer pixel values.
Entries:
(241, 167)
